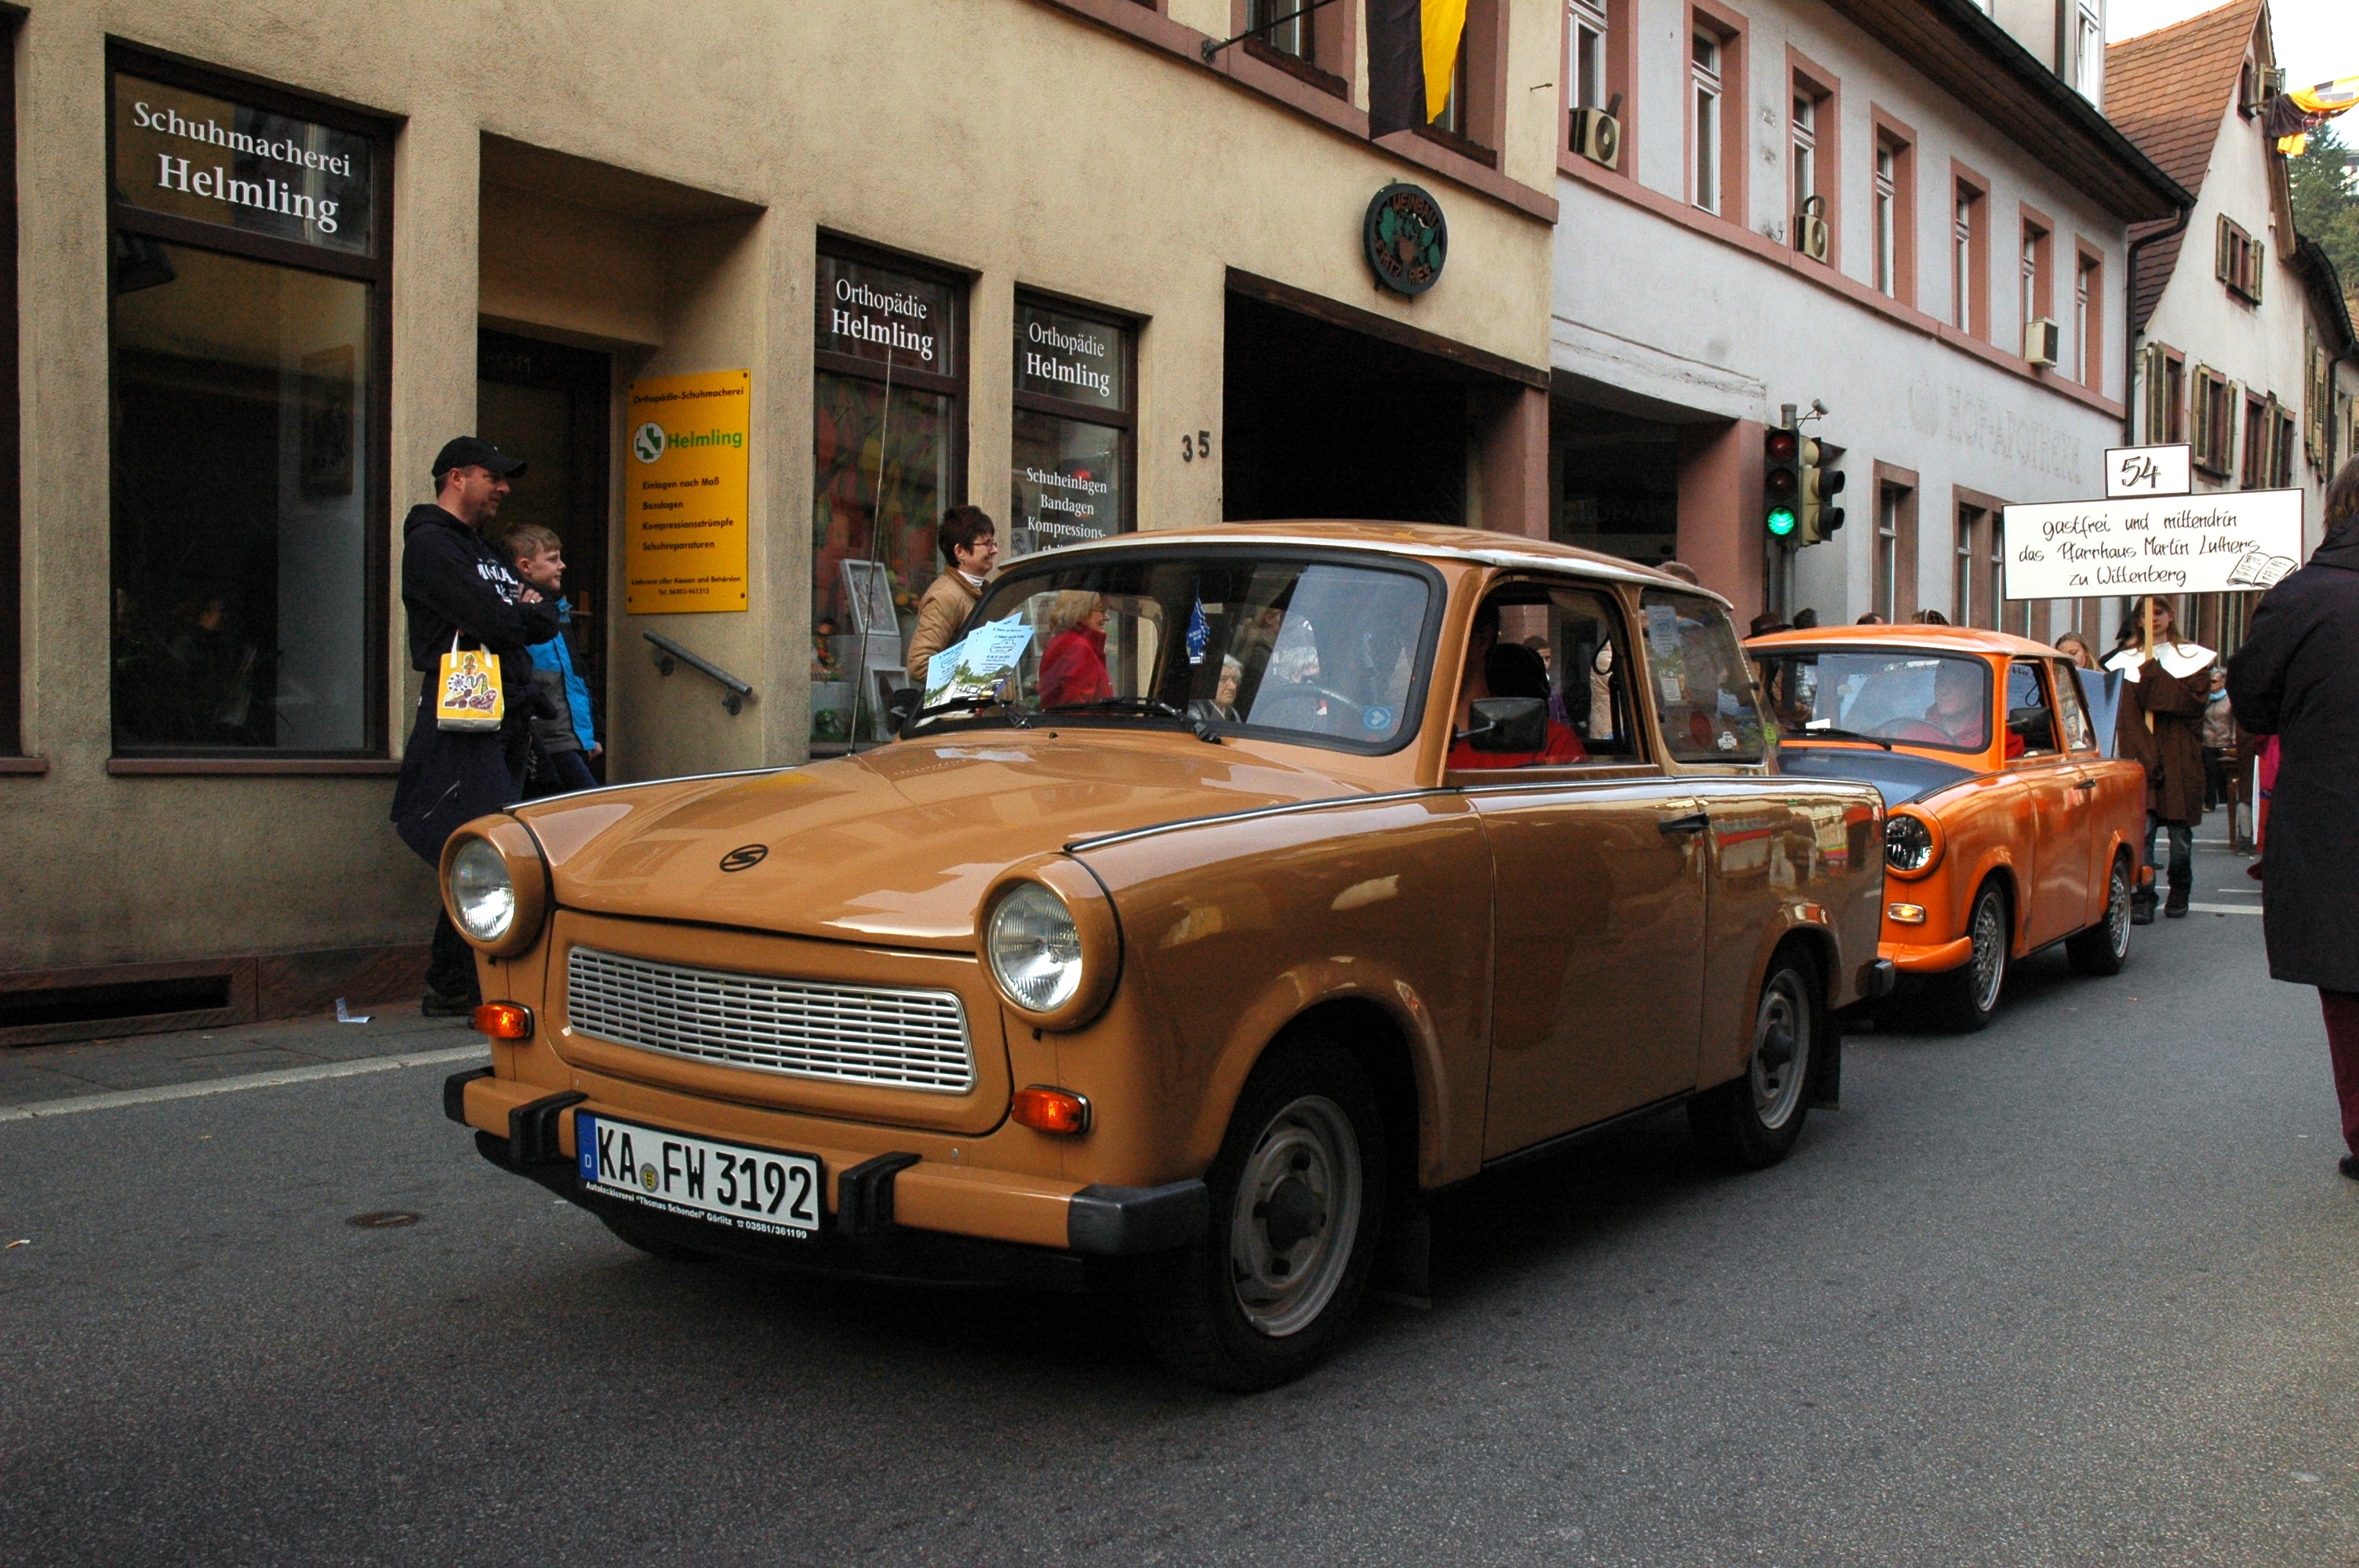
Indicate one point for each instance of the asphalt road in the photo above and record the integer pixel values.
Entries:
(2079, 1290)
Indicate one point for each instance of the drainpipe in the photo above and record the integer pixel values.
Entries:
(2129, 323)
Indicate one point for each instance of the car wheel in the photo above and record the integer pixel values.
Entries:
(1753, 1119)
(653, 1246)
(1969, 995)
(1297, 1194)
(2105, 947)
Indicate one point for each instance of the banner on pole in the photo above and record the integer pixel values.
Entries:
(2233, 542)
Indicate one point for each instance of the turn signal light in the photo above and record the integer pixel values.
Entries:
(1906, 913)
(1051, 1111)
(505, 1020)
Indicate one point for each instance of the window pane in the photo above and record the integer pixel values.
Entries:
(874, 313)
(203, 157)
(1072, 357)
(2029, 720)
(240, 491)
(1702, 686)
(1918, 699)
(1070, 485)
(1707, 134)
(2080, 735)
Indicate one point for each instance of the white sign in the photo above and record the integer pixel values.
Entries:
(979, 663)
(2150, 470)
(2234, 542)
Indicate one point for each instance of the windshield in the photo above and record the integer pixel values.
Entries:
(1312, 649)
(1916, 699)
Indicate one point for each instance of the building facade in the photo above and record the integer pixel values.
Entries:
(1901, 211)
(2244, 348)
(1084, 262)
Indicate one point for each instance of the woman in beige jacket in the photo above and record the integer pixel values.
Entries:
(970, 544)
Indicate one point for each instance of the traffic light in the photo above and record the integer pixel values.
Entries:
(1820, 516)
(1781, 482)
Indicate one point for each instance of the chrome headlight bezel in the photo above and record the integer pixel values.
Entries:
(1912, 844)
(1077, 904)
(495, 852)
(483, 892)
(1034, 948)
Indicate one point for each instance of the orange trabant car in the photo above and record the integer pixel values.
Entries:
(2007, 830)
(1235, 890)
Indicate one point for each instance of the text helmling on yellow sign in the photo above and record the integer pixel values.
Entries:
(685, 486)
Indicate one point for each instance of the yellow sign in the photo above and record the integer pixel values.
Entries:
(684, 485)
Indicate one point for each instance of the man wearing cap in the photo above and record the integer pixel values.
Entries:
(455, 587)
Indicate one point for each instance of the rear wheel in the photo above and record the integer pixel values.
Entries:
(1967, 996)
(2105, 947)
(1298, 1197)
(1753, 1121)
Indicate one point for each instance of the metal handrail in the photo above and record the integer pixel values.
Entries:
(734, 692)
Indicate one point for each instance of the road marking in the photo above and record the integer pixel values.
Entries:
(118, 1098)
(2226, 908)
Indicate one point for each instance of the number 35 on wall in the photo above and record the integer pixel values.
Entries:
(1198, 444)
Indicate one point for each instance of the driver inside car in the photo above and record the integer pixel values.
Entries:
(1494, 669)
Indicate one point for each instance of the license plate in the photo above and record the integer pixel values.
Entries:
(760, 1190)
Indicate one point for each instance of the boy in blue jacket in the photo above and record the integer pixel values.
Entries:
(561, 746)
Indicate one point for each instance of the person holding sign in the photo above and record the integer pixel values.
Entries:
(969, 541)
(2160, 727)
(2297, 677)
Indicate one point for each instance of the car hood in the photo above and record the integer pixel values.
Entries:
(1899, 776)
(895, 845)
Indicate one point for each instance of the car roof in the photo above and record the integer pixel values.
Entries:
(1425, 541)
(1913, 637)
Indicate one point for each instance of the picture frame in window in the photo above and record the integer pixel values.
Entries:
(868, 590)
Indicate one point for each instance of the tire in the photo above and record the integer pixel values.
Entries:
(1965, 998)
(654, 1247)
(1298, 1197)
(1753, 1120)
(2105, 947)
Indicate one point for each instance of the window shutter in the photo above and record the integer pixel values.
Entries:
(2220, 256)
(2259, 252)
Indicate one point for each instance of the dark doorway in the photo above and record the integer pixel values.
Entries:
(1322, 421)
(1613, 483)
(550, 404)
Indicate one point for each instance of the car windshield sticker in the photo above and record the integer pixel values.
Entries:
(1663, 630)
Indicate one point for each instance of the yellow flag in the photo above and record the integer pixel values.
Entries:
(1444, 25)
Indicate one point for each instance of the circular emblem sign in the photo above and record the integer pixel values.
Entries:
(1406, 237)
(744, 857)
(647, 442)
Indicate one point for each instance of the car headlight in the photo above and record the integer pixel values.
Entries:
(1910, 845)
(482, 894)
(1035, 948)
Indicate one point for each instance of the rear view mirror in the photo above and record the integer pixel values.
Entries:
(1509, 724)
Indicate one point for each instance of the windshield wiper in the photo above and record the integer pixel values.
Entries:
(1833, 734)
(1147, 705)
(1016, 716)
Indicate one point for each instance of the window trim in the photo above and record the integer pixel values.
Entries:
(377, 270)
(1970, 295)
(1901, 139)
(1124, 420)
(1807, 79)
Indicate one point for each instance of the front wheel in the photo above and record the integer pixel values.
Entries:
(1753, 1121)
(2105, 947)
(1298, 1197)
(1968, 996)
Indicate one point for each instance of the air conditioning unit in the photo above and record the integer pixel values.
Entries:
(1597, 137)
(2043, 342)
(1811, 233)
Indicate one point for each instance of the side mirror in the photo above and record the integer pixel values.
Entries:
(1509, 724)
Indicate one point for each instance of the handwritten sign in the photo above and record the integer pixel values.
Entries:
(2234, 542)
(684, 488)
(2150, 470)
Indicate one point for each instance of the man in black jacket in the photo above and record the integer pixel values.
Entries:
(455, 587)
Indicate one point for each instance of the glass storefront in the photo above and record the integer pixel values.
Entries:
(246, 402)
(1073, 428)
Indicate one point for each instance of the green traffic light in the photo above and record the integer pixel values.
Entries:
(1780, 521)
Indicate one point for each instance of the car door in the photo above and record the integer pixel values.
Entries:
(2052, 848)
(2078, 735)
(1599, 891)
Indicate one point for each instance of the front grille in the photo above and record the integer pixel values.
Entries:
(804, 1029)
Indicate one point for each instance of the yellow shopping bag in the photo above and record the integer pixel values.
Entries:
(469, 695)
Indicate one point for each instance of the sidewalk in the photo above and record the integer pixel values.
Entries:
(33, 1073)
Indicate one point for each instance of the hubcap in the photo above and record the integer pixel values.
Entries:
(2117, 909)
(1990, 954)
(1297, 1215)
(1781, 1049)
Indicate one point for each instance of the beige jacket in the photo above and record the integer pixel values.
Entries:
(941, 611)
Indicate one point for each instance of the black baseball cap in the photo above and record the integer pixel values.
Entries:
(473, 451)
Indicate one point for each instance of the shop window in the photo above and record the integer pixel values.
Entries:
(888, 456)
(2237, 259)
(249, 401)
(1074, 458)
(2212, 426)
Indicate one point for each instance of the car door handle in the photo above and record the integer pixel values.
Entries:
(2085, 784)
(1695, 823)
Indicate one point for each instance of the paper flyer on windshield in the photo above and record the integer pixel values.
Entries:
(979, 663)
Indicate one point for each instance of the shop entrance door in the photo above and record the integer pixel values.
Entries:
(550, 404)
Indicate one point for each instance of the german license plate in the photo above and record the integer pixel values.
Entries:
(760, 1190)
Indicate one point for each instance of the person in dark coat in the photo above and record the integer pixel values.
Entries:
(2160, 726)
(454, 585)
(2297, 677)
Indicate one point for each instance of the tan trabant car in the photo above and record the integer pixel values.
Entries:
(1266, 879)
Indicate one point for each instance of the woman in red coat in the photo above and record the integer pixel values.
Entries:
(1073, 665)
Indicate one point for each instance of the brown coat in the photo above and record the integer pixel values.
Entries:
(941, 612)
(2172, 753)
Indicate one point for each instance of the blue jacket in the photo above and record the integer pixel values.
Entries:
(553, 655)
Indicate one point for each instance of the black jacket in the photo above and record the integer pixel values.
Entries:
(2297, 677)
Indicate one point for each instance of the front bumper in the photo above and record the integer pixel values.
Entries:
(893, 1218)
(1927, 957)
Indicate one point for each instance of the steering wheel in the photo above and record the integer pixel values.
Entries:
(1296, 707)
(1914, 730)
